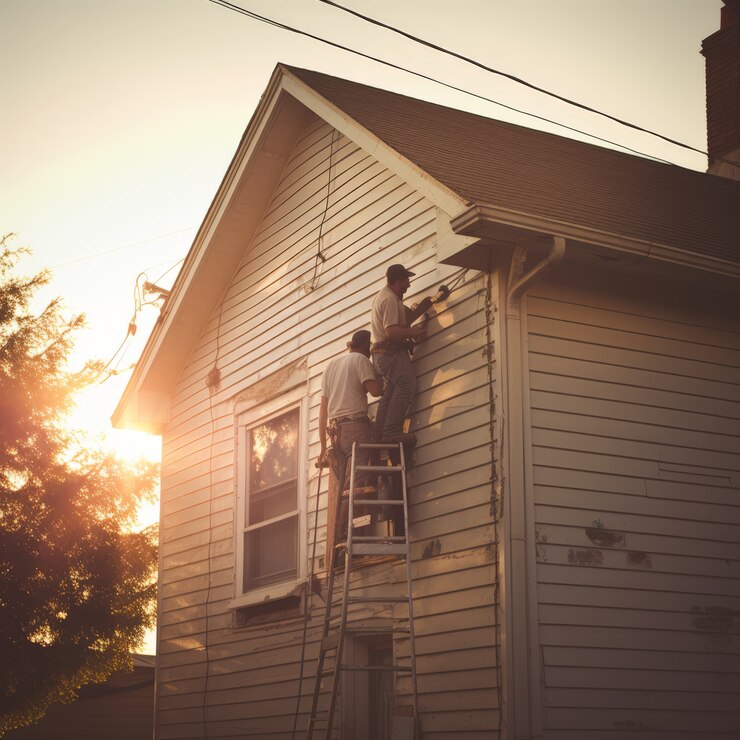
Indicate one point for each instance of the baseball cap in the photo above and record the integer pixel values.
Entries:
(396, 272)
(359, 339)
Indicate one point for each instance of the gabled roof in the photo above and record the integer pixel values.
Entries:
(490, 162)
(462, 163)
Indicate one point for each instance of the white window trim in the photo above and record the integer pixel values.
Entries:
(247, 419)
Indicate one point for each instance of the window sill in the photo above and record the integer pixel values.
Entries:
(266, 594)
(280, 605)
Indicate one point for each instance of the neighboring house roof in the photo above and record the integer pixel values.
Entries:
(481, 172)
(122, 707)
(492, 162)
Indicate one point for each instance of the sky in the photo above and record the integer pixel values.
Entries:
(120, 117)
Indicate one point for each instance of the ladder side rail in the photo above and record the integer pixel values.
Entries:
(345, 591)
(328, 607)
(409, 587)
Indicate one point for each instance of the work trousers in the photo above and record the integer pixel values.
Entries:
(398, 392)
(346, 433)
(349, 432)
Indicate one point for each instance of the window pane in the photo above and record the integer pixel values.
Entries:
(275, 502)
(273, 452)
(271, 554)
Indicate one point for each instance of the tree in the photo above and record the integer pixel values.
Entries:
(77, 583)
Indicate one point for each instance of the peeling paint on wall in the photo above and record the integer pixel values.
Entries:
(606, 537)
(639, 559)
(629, 724)
(715, 624)
(718, 619)
(275, 383)
(432, 548)
(586, 557)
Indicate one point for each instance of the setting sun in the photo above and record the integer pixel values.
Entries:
(92, 416)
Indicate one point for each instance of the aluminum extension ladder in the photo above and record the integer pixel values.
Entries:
(332, 639)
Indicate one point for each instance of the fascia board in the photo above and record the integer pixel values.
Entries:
(442, 197)
(472, 220)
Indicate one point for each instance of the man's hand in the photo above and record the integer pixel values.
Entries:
(419, 331)
(419, 308)
(323, 459)
(425, 304)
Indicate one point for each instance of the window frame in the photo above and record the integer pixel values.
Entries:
(244, 421)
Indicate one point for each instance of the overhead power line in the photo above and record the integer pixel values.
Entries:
(121, 248)
(284, 27)
(519, 80)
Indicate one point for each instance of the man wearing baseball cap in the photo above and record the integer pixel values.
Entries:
(393, 336)
(343, 412)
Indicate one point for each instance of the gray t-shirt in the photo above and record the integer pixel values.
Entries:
(342, 385)
(388, 310)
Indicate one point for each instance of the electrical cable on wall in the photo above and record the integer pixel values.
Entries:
(312, 284)
(213, 379)
(306, 604)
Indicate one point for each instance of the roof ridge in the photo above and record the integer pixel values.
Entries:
(305, 75)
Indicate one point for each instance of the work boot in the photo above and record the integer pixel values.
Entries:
(406, 438)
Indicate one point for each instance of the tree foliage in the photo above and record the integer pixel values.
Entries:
(77, 583)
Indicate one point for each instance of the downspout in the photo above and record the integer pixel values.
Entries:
(553, 259)
(524, 668)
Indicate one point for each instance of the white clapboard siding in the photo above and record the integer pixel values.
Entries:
(635, 409)
(244, 682)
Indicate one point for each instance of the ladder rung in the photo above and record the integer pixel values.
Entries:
(331, 642)
(379, 502)
(361, 491)
(378, 630)
(379, 445)
(380, 548)
(377, 599)
(377, 538)
(378, 469)
(399, 668)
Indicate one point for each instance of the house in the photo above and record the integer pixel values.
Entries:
(121, 708)
(575, 492)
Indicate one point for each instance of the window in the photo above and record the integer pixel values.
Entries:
(271, 495)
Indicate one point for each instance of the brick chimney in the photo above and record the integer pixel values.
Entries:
(721, 52)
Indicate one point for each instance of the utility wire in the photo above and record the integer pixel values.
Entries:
(139, 303)
(284, 27)
(119, 249)
(521, 81)
(156, 281)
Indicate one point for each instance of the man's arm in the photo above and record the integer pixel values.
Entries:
(373, 387)
(413, 313)
(405, 332)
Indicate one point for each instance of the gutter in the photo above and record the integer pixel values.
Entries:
(473, 221)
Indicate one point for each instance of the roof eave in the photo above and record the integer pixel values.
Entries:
(483, 221)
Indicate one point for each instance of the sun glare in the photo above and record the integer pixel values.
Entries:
(92, 416)
(131, 445)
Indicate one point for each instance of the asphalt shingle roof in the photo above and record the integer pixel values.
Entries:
(490, 162)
